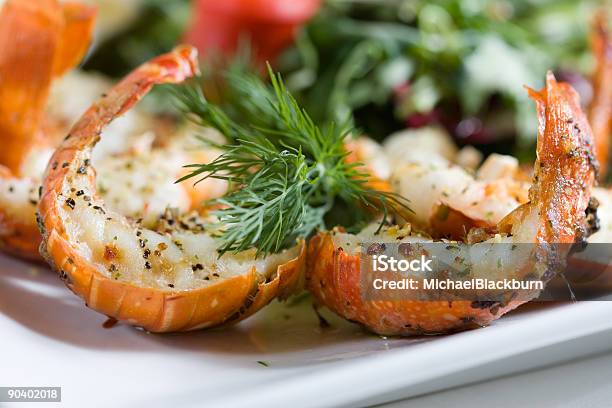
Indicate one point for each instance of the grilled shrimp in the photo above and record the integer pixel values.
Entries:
(447, 200)
(429, 145)
(166, 278)
(446, 196)
(555, 213)
(129, 163)
(39, 41)
(141, 183)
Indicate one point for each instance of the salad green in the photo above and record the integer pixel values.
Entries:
(390, 64)
(463, 63)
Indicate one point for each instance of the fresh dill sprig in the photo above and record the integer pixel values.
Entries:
(285, 172)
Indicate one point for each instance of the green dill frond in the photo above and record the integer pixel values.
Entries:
(191, 101)
(286, 173)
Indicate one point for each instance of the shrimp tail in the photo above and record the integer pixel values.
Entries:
(29, 34)
(566, 166)
(75, 37)
(600, 110)
(39, 40)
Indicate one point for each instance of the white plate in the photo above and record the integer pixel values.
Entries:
(49, 338)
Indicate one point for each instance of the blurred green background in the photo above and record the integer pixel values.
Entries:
(391, 64)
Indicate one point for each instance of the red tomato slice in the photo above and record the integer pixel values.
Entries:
(219, 26)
